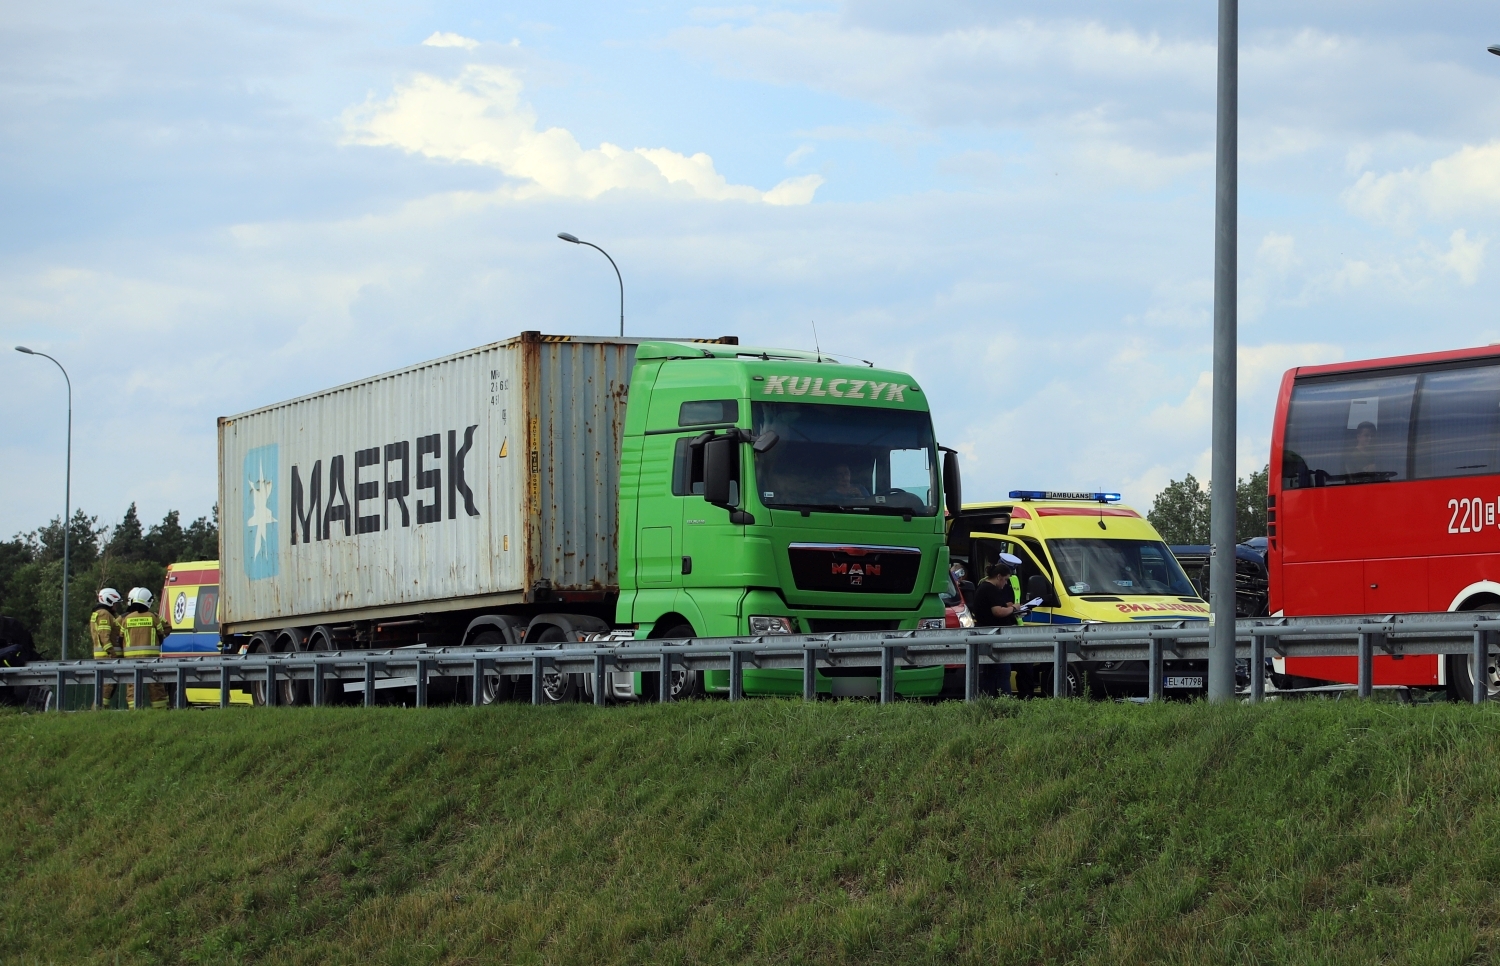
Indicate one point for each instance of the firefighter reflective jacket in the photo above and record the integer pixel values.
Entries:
(105, 633)
(143, 632)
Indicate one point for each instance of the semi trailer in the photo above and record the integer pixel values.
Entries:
(554, 489)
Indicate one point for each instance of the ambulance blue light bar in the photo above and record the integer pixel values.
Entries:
(1064, 495)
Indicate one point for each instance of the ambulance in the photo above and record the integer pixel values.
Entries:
(1089, 559)
(190, 605)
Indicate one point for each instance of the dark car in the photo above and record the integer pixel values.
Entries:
(1252, 581)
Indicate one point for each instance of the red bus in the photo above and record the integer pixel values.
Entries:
(1385, 476)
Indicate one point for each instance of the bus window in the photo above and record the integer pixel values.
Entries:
(1458, 423)
(1347, 430)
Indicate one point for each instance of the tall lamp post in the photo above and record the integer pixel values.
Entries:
(579, 241)
(67, 495)
(1222, 481)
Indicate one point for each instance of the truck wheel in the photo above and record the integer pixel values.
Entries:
(1461, 670)
(556, 688)
(259, 644)
(686, 684)
(495, 687)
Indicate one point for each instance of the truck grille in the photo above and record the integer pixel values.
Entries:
(854, 568)
(829, 625)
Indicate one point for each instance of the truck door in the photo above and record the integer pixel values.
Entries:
(659, 514)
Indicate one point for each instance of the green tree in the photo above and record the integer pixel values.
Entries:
(1180, 512)
(202, 538)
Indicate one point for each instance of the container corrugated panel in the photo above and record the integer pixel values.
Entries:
(458, 482)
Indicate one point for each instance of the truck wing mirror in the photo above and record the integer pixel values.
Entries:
(952, 488)
(765, 441)
(1039, 586)
(718, 469)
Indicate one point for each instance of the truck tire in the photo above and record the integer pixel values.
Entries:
(686, 684)
(259, 644)
(556, 688)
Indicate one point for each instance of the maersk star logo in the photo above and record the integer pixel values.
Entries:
(260, 492)
(261, 553)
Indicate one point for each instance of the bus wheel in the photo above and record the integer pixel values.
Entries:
(1461, 674)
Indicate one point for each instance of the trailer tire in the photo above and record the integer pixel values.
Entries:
(260, 643)
(557, 688)
(494, 687)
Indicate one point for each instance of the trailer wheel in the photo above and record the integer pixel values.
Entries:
(259, 644)
(1461, 669)
(557, 688)
(494, 688)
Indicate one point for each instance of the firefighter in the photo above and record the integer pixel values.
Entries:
(104, 630)
(142, 631)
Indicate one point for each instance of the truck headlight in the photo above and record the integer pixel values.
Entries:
(931, 624)
(771, 625)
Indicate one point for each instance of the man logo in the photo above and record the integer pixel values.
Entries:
(260, 481)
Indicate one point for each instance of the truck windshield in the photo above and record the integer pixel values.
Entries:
(849, 459)
(1119, 568)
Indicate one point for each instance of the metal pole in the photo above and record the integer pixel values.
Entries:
(971, 671)
(1366, 665)
(1222, 477)
(1156, 667)
(618, 277)
(1257, 668)
(1479, 667)
(67, 495)
(736, 675)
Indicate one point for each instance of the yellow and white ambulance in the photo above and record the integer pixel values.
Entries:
(1090, 559)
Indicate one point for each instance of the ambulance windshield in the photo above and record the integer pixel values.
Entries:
(1119, 568)
(850, 459)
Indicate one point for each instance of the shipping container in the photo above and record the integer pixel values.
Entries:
(483, 479)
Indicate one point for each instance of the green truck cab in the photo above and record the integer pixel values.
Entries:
(767, 491)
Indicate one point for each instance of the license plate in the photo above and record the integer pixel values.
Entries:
(1184, 682)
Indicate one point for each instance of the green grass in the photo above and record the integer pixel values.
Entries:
(1002, 832)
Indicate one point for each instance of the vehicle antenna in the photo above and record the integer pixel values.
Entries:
(815, 340)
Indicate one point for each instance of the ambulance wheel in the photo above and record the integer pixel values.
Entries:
(557, 688)
(686, 684)
(494, 687)
(1461, 669)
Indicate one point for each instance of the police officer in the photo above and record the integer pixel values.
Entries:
(142, 631)
(104, 630)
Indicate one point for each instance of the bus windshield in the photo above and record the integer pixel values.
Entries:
(847, 459)
(1119, 568)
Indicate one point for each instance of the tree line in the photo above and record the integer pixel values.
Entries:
(1180, 512)
(122, 556)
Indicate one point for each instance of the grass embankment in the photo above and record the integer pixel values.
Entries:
(768, 830)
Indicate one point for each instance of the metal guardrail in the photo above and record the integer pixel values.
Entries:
(1473, 634)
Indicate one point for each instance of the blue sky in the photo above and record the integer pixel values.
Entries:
(210, 207)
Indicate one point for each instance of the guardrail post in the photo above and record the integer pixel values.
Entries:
(736, 675)
(319, 699)
(1156, 668)
(1479, 662)
(1366, 666)
(369, 682)
(98, 689)
(62, 679)
(887, 674)
(971, 671)
(421, 683)
(810, 674)
(1059, 669)
(600, 678)
(179, 700)
(478, 695)
(138, 679)
(664, 688)
(270, 683)
(536, 680)
(1257, 668)
(224, 685)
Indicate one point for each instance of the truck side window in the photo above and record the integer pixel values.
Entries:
(708, 411)
(687, 467)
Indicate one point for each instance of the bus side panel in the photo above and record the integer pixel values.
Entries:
(1415, 670)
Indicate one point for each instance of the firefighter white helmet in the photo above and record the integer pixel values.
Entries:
(142, 596)
(109, 597)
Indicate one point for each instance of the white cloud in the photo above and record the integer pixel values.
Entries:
(480, 118)
(1464, 258)
(440, 39)
(1465, 182)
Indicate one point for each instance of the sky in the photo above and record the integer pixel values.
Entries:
(211, 206)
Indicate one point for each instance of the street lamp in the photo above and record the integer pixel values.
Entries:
(1494, 49)
(67, 495)
(579, 241)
